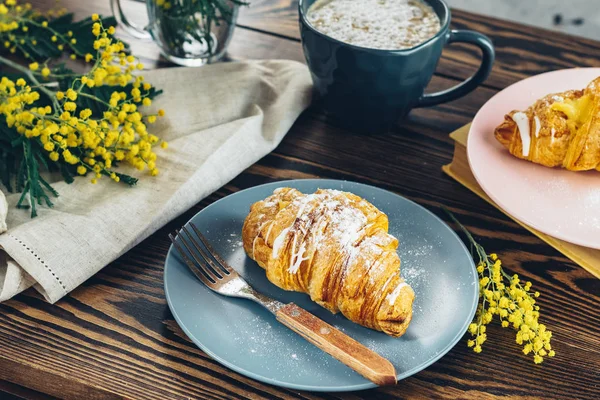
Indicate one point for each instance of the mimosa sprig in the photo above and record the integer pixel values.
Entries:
(509, 299)
(37, 36)
(52, 118)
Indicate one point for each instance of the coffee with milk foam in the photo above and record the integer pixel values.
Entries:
(376, 24)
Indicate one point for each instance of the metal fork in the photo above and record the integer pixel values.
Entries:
(210, 268)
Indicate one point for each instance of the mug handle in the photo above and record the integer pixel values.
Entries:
(132, 29)
(453, 93)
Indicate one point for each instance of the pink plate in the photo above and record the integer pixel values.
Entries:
(557, 202)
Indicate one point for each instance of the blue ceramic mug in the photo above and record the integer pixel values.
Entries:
(371, 89)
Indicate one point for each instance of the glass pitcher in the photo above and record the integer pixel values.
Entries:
(188, 32)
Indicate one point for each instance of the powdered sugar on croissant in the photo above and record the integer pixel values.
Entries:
(335, 247)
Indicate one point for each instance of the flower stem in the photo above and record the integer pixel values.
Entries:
(480, 251)
(90, 96)
(56, 33)
(462, 228)
(32, 77)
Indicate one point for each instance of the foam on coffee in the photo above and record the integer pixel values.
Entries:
(376, 24)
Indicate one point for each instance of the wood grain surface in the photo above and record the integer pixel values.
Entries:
(114, 337)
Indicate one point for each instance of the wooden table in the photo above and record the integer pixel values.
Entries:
(114, 336)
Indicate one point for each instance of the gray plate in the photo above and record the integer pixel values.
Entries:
(246, 338)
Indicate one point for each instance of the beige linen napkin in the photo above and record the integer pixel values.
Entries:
(219, 120)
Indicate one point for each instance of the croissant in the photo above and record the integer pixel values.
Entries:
(335, 247)
(559, 130)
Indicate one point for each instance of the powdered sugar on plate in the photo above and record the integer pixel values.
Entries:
(249, 339)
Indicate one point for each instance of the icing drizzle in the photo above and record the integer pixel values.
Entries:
(344, 223)
(391, 298)
(279, 242)
(522, 121)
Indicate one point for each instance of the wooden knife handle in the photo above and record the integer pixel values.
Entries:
(339, 345)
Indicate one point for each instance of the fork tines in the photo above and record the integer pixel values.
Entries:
(199, 256)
